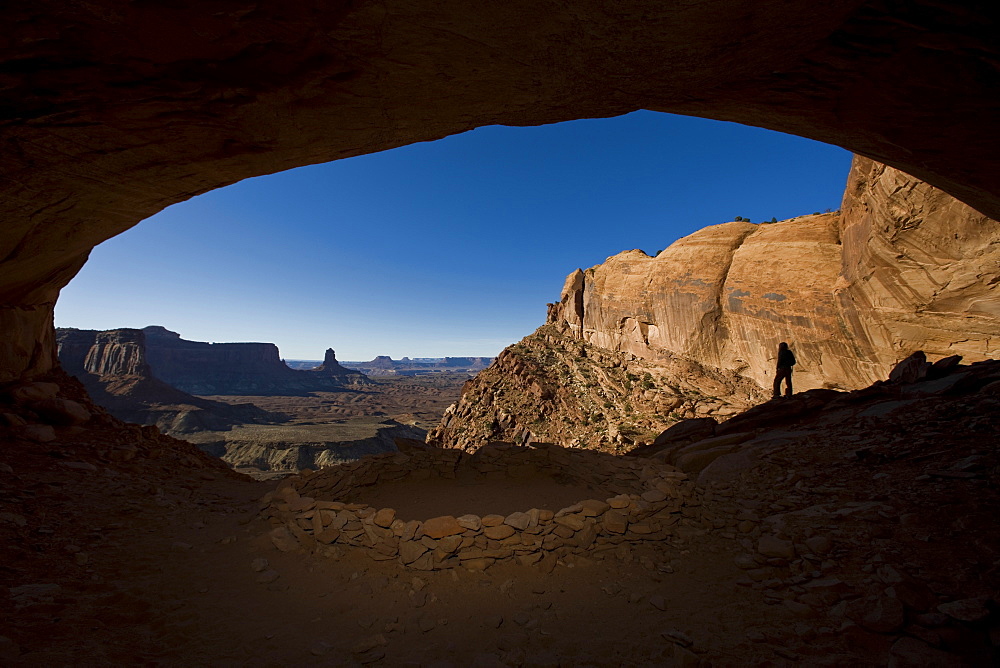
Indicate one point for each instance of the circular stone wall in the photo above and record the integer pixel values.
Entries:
(312, 510)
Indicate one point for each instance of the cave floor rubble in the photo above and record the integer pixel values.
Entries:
(842, 544)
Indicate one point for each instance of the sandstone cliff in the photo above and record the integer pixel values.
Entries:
(117, 352)
(237, 368)
(919, 269)
(902, 267)
(112, 365)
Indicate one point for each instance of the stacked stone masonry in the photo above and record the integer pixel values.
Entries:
(646, 500)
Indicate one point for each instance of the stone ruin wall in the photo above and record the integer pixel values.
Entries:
(647, 501)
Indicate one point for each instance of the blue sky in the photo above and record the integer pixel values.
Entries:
(450, 247)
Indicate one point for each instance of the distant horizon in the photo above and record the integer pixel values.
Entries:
(451, 247)
(283, 358)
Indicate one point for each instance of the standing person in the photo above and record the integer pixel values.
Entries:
(786, 360)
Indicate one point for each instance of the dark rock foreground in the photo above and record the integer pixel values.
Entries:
(833, 528)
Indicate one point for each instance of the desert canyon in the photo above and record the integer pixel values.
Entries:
(242, 403)
(640, 342)
(614, 490)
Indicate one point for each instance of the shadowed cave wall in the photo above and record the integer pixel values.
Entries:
(113, 110)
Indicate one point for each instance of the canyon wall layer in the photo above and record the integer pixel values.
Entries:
(237, 368)
(196, 367)
(150, 376)
(640, 342)
(114, 368)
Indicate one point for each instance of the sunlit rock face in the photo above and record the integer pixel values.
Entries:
(113, 111)
(640, 342)
(196, 367)
(920, 270)
(723, 296)
(117, 352)
(903, 267)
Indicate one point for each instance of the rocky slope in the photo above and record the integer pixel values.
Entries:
(555, 388)
(903, 266)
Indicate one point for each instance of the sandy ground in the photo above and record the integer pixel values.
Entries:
(467, 493)
(122, 547)
(169, 578)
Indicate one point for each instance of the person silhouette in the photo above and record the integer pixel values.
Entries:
(786, 360)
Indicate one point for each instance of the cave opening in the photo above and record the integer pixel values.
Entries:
(124, 546)
(450, 246)
(438, 250)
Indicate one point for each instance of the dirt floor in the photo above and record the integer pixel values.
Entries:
(175, 579)
(467, 493)
(122, 547)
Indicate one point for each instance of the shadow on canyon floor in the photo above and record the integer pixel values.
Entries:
(863, 537)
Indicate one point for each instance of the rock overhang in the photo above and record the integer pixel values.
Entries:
(116, 111)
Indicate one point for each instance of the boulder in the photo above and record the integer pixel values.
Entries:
(772, 546)
(283, 539)
(913, 653)
(694, 429)
(40, 433)
(944, 366)
(62, 412)
(439, 527)
(881, 614)
(911, 369)
(410, 551)
(34, 392)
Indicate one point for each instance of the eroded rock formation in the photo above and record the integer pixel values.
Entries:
(902, 267)
(919, 270)
(150, 376)
(383, 365)
(237, 368)
(330, 365)
(113, 111)
(113, 366)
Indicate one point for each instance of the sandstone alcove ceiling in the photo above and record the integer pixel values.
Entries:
(115, 110)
